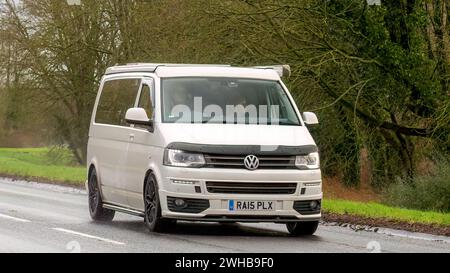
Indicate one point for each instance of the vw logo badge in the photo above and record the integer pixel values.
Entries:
(251, 162)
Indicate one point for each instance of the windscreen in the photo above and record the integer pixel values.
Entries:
(226, 101)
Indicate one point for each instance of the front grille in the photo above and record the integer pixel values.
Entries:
(304, 208)
(251, 188)
(237, 161)
(192, 205)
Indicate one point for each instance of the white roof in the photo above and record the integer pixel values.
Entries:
(200, 70)
(232, 72)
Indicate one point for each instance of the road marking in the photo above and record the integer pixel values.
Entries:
(88, 236)
(14, 218)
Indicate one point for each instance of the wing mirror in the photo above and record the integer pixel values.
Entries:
(138, 116)
(310, 118)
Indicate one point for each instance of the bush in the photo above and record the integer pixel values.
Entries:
(60, 155)
(431, 192)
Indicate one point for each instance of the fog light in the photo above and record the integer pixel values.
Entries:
(314, 205)
(180, 203)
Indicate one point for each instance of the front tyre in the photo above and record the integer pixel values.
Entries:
(302, 228)
(96, 210)
(153, 219)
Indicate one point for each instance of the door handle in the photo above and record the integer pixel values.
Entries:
(131, 137)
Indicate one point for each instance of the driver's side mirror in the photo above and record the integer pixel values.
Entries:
(138, 116)
(310, 118)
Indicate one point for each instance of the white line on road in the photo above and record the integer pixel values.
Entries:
(88, 236)
(14, 218)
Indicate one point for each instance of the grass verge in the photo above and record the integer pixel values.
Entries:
(379, 215)
(41, 164)
(376, 210)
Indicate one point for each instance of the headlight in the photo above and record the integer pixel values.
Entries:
(310, 161)
(179, 158)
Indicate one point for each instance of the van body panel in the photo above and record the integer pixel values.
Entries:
(236, 134)
(144, 153)
(110, 146)
(124, 155)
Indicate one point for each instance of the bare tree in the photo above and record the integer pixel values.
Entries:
(67, 49)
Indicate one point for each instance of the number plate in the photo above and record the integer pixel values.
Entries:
(238, 205)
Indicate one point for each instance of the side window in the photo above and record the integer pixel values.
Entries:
(116, 98)
(145, 101)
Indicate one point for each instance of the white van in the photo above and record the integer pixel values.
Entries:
(172, 142)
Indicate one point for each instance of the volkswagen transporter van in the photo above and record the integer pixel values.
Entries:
(213, 143)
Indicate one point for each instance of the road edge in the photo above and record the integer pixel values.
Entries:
(358, 222)
(72, 184)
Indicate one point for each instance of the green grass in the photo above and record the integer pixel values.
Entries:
(376, 210)
(51, 164)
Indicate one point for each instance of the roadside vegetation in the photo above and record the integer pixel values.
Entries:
(428, 192)
(373, 210)
(377, 75)
(41, 164)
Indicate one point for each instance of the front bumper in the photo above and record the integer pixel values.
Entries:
(308, 188)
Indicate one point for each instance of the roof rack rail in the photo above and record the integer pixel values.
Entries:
(152, 67)
(284, 70)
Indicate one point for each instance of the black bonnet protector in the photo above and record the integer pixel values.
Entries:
(257, 150)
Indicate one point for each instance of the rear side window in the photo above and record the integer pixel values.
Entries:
(116, 98)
